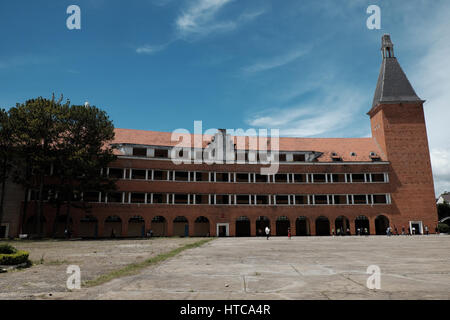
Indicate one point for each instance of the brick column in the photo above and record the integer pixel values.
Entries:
(351, 226)
(100, 227)
(233, 228)
(253, 227)
(273, 226)
(124, 227)
(169, 227)
(75, 227)
(212, 228)
(372, 226)
(293, 226)
(191, 223)
(312, 227)
(148, 224)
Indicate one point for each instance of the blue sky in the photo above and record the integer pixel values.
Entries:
(308, 68)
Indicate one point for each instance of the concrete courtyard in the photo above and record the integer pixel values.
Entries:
(412, 267)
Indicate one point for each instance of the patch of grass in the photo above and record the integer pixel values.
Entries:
(56, 262)
(135, 268)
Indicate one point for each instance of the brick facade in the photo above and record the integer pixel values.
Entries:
(398, 151)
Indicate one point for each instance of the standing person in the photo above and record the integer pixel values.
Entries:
(289, 233)
(332, 231)
(366, 232)
(426, 230)
(413, 230)
(267, 232)
(358, 232)
(403, 230)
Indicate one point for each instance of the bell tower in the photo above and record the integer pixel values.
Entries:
(398, 127)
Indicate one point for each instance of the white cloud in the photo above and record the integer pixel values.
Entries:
(19, 61)
(200, 19)
(332, 112)
(149, 49)
(440, 159)
(276, 61)
(431, 79)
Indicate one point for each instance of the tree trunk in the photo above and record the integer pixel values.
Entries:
(69, 204)
(5, 161)
(40, 206)
(55, 223)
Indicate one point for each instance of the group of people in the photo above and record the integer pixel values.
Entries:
(411, 231)
(341, 232)
(267, 232)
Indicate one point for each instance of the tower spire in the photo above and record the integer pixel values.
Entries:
(387, 47)
(393, 86)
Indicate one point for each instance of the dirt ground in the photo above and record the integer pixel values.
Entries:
(51, 258)
(317, 268)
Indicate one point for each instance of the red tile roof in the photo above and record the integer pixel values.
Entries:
(344, 147)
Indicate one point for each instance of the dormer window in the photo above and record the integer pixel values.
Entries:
(335, 157)
(139, 152)
(161, 153)
(374, 156)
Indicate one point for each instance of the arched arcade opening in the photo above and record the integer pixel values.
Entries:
(342, 226)
(181, 227)
(113, 227)
(88, 227)
(282, 226)
(322, 226)
(302, 227)
(159, 226)
(381, 225)
(362, 225)
(242, 227)
(261, 223)
(201, 227)
(136, 227)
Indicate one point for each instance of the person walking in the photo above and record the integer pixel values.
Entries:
(267, 232)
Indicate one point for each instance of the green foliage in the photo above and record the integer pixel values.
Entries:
(74, 139)
(14, 258)
(6, 248)
(443, 228)
(443, 210)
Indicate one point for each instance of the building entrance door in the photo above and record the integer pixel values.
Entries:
(417, 225)
(223, 229)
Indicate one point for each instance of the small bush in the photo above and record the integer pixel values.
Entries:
(443, 228)
(7, 249)
(12, 259)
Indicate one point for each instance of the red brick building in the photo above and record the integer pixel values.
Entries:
(322, 185)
